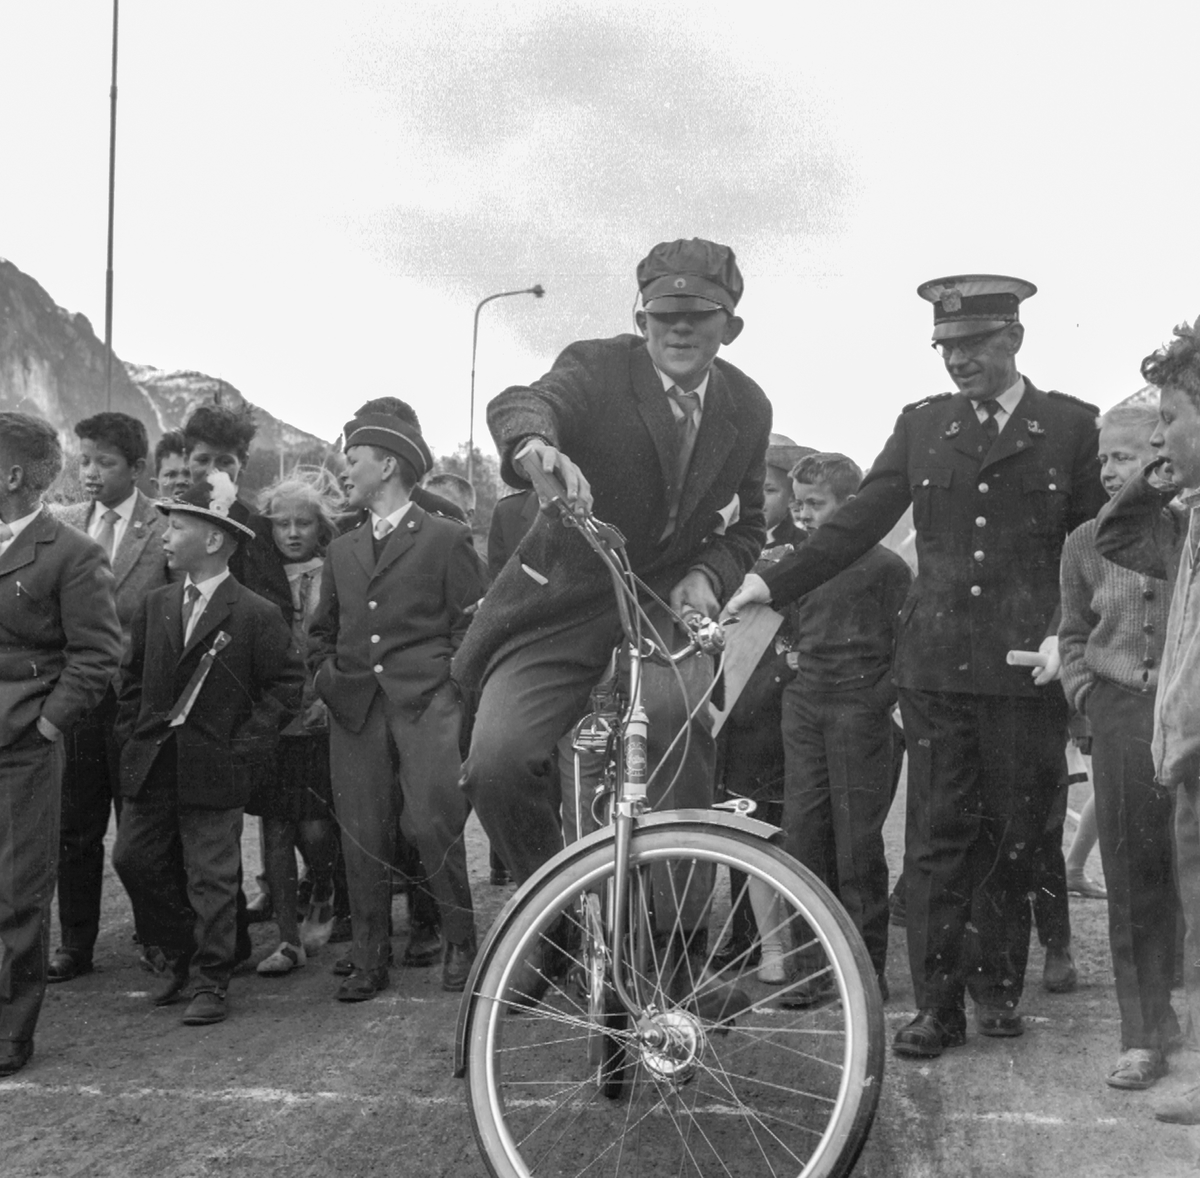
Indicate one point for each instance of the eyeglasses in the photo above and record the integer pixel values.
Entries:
(969, 345)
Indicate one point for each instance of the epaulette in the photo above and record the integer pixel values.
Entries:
(1093, 409)
(926, 401)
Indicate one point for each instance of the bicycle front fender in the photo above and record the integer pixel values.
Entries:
(683, 820)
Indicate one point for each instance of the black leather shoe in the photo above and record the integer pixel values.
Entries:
(930, 1033)
(14, 1055)
(423, 949)
(999, 1022)
(260, 909)
(206, 1007)
(457, 966)
(342, 931)
(65, 966)
(363, 984)
(172, 980)
(343, 967)
(814, 991)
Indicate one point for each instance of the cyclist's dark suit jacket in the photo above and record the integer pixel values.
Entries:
(985, 745)
(604, 406)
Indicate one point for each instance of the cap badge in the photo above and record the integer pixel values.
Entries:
(952, 430)
(1033, 427)
(952, 301)
(680, 283)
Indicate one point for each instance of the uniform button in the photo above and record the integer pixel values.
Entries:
(1147, 662)
(980, 521)
(983, 488)
(374, 637)
(924, 482)
(1148, 594)
(1053, 486)
(975, 591)
(1148, 628)
(378, 668)
(979, 556)
(372, 604)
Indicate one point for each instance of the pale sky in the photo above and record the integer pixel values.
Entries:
(311, 198)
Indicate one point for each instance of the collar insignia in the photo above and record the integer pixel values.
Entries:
(1033, 427)
(952, 429)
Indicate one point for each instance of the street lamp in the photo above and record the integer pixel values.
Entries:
(537, 291)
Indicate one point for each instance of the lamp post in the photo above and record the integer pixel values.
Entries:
(537, 291)
(112, 172)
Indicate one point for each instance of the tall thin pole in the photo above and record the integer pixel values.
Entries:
(537, 292)
(112, 174)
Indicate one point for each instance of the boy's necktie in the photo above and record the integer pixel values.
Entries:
(190, 596)
(686, 429)
(108, 532)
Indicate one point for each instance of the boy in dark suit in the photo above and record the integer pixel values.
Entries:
(393, 609)
(212, 678)
(113, 449)
(60, 643)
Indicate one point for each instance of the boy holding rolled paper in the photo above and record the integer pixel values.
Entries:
(212, 677)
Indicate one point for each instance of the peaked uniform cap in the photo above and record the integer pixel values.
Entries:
(689, 275)
(210, 498)
(970, 304)
(391, 433)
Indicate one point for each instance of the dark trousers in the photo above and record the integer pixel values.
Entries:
(837, 793)
(367, 801)
(535, 695)
(30, 784)
(88, 795)
(201, 921)
(1136, 826)
(1051, 908)
(983, 771)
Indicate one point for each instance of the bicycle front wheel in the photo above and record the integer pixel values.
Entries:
(729, 1071)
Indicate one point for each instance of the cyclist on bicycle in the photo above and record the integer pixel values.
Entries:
(668, 442)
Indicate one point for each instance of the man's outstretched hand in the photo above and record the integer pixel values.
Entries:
(694, 594)
(554, 461)
(752, 589)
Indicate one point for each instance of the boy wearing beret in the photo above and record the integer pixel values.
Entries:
(394, 604)
(212, 678)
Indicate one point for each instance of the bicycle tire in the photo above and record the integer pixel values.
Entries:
(749, 1088)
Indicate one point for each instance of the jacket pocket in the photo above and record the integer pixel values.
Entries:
(930, 489)
(1044, 499)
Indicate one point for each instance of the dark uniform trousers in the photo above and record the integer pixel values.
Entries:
(30, 792)
(367, 801)
(89, 795)
(837, 793)
(154, 835)
(1136, 825)
(983, 771)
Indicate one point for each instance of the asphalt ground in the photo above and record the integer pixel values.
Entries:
(295, 1083)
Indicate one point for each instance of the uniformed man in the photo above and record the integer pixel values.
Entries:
(998, 474)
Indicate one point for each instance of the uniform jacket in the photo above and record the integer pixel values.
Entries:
(603, 405)
(60, 641)
(990, 530)
(251, 692)
(512, 517)
(139, 563)
(392, 626)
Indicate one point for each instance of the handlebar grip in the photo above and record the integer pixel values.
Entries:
(546, 485)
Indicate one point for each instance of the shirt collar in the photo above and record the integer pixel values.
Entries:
(1013, 394)
(668, 384)
(124, 509)
(394, 519)
(208, 587)
(19, 525)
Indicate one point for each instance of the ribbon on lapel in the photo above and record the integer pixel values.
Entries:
(183, 705)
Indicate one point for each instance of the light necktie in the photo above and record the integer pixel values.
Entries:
(6, 534)
(108, 532)
(382, 528)
(190, 596)
(991, 426)
(686, 427)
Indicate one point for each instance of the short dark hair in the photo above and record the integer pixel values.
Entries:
(123, 433)
(170, 443)
(33, 445)
(840, 474)
(223, 428)
(1177, 364)
(392, 405)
